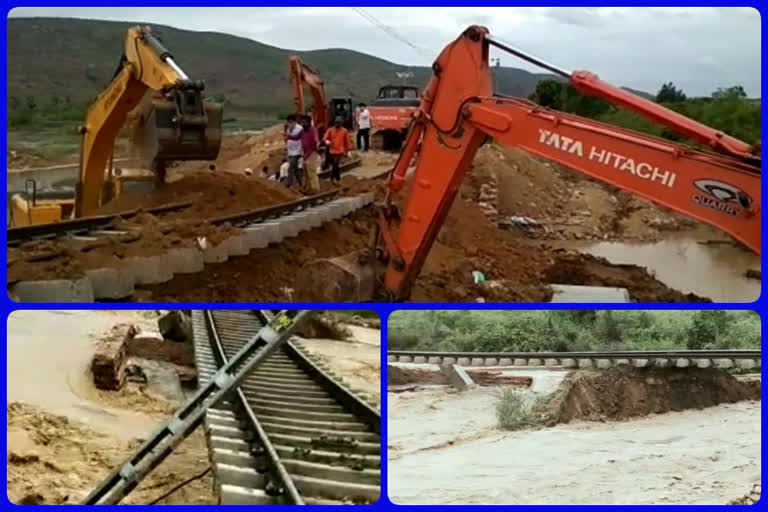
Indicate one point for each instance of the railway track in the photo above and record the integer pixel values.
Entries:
(621, 354)
(747, 359)
(291, 434)
(100, 225)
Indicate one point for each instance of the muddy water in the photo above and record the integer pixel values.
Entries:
(690, 457)
(49, 354)
(713, 270)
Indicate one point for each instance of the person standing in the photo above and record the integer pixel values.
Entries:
(293, 150)
(339, 143)
(363, 128)
(310, 142)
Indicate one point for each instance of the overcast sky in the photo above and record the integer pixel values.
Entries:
(697, 48)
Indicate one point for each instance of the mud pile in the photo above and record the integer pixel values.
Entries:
(749, 499)
(565, 204)
(623, 392)
(54, 460)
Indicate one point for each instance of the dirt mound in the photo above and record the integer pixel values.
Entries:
(623, 392)
(565, 204)
(212, 194)
(584, 269)
(54, 460)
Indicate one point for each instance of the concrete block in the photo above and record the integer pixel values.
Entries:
(703, 363)
(551, 362)
(275, 229)
(314, 217)
(391, 359)
(434, 359)
(291, 226)
(186, 260)
(54, 290)
(622, 361)
(216, 253)
(661, 362)
(640, 363)
(110, 283)
(586, 363)
(459, 378)
(477, 361)
(491, 361)
(405, 359)
(604, 363)
(149, 269)
(449, 360)
(682, 362)
(238, 245)
(463, 361)
(568, 363)
(505, 361)
(747, 364)
(419, 359)
(534, 362)
(520, 362)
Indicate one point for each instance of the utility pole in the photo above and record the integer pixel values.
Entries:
(496, 65)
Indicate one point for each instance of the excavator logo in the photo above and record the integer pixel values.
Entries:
(721, 197)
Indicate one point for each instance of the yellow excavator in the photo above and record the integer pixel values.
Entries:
(168, 121)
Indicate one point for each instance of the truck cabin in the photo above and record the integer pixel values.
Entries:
(397, 96)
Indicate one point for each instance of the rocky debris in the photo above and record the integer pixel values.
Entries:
(324, 327)
(108, 363)
(748, 499)
(175, 326)
(753, 274)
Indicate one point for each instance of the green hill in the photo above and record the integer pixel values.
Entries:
(56, 61)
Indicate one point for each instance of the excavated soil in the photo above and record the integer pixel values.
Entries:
(624, 392)
(516, 263)
(53, 460)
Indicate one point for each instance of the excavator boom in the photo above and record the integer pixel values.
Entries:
(303, 74)
(176, 125)
(458, 113)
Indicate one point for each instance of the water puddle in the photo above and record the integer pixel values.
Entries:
(713, 270)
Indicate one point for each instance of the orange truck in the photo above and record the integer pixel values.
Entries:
(391, 114)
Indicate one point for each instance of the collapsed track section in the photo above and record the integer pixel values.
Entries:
(291, 433)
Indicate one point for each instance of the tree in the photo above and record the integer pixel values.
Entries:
(549, 94)
(670, 94)
(734, 92)
(705, 328)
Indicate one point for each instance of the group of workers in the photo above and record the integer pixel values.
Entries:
(305, 149)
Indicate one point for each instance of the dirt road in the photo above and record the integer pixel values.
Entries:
(698, 457)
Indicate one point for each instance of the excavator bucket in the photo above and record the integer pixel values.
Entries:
(349, 278)
(178, 125)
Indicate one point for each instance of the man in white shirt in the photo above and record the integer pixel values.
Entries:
(363, 128)
(293, 150)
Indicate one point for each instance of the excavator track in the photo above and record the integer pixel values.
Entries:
(292, 433)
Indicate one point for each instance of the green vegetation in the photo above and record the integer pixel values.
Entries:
(726, 109)
(564, 331)
(512, 411)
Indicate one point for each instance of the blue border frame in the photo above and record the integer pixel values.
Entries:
(383, 309)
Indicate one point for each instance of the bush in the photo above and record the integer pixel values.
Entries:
(512, 413)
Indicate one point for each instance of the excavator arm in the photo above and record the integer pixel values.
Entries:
(182, 127)
(302, 74)
(458, 112)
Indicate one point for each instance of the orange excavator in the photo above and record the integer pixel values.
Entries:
(323, 110)
(719, 186)
(391, 115)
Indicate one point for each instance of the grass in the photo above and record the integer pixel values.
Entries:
(512, 411)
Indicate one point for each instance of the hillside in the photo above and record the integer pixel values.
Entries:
(80, 56)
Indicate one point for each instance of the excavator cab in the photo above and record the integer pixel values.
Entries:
(342, 107)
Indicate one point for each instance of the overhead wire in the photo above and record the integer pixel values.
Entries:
(389, 30)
